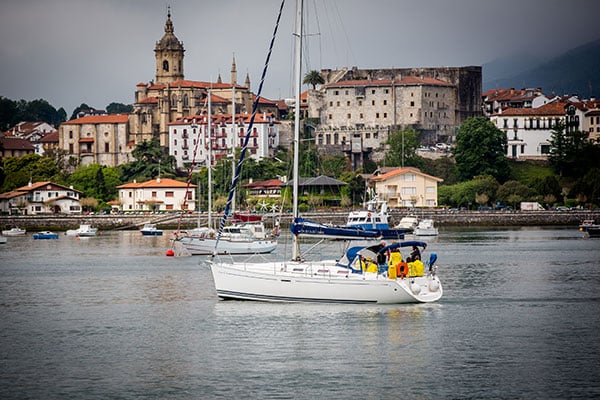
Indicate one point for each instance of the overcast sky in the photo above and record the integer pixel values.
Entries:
(70, 52)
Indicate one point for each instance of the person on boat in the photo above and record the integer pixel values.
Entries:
(394, 262)
(415, 254)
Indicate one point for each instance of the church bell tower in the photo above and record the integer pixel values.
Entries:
(169, 55)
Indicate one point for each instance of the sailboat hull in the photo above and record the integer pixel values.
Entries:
(204, 246)
(318, 282)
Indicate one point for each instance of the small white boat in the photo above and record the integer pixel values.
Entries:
(151, 230)
(16, 231)
(408, 222)
(426, 228)
(84, 230)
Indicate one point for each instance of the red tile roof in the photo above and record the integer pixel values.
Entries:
(11, 143)
(52, 137)
(156, 183)
(271, 183)
(99, 119)
(405, 80)
(555, 108)
(402, 171)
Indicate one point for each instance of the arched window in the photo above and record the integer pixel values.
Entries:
(174, 100)
(165, 65)
(185, 100)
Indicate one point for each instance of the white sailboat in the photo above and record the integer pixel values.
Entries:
(348, 280)
(236, 239)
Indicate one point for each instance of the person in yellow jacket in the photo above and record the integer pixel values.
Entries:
(416, 268)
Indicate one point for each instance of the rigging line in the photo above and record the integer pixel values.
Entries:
(248, 131)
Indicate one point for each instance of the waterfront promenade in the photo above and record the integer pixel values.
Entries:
(337, 217)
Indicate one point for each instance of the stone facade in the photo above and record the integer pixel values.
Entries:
(358, 109)
(101, 139)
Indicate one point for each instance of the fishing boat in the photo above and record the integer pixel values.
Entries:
(16, 231)
(363, 276)
(426, 227)
(45, 235)
(150, 230)
(589, 228)
(84, 230)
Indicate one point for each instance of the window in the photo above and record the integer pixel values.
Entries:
(412, 103)
(337, 104)
(165, 65)
(372, 102)
(330, 116)
(409, 190)
(360, 102)
(71, 148)
(331, 104)
(373, 91)
(336, 92)
(130, 194)
(361, 116)
(385, 102)
(384, 115)
(386, 91)
(349, 116)
(70, 134)
(153, 193)
(169, 194)
(346, 93)
(106, 147)
(410, 177)
(376, 115)
(169, 206)
(348, 103)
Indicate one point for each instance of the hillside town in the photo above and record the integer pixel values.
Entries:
(349, 113)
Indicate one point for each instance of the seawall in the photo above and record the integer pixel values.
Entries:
(175, 221)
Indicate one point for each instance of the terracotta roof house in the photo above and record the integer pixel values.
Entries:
(41, 198)
(160, 194)
(407, 187)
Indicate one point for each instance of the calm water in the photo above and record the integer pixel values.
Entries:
(113, 317)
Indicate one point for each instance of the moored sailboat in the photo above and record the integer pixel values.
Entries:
(363, 276)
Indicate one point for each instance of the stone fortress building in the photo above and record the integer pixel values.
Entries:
(358, 109)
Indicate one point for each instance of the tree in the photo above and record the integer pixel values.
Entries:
(82, 107)
(571, 153)
(20, 170)
(481, 150)
(313, 78)
(512, 192)
(119, 108)
(96, 181)
(402, 149)
(149, 158)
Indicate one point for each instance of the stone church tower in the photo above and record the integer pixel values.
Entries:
(169, 55)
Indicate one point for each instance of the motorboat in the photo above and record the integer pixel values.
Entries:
(150, 230)
(374, 218)
(84, 230)
(16, 231)
(426, 227)
(408, 222)
(589, 228)
(45, 235)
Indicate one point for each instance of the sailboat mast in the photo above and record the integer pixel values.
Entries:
(209, 163)
(233, 144)
(297, 83)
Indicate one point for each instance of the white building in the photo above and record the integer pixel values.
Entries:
(188, 137)
(529, 130)
(41, 198)
(161, 194)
